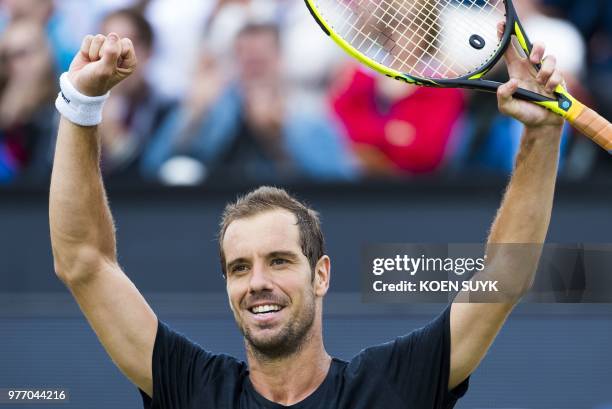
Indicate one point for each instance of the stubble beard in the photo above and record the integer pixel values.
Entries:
(288, 340)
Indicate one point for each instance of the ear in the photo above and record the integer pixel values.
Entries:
(322, 276)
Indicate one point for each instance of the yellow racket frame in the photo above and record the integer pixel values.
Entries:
(565, 105)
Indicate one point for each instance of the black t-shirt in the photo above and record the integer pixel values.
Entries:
(410, 372)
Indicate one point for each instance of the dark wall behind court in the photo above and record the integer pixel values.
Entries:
(167, 238)
(548, 356)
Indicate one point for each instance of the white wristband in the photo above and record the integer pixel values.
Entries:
(78, 108)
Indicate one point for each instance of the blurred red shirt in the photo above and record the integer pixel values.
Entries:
(409, 134)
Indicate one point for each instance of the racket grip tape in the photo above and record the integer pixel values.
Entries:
(594, 126)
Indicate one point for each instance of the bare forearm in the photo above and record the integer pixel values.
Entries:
(513, 252)
(515, 242)
(82, 230)
(525, 212)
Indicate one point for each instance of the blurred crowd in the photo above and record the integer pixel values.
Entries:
(251, 90)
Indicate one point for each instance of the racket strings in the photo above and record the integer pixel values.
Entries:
(427, 19)
(441, 63)
(442, 58)
(426, 33)
(424, 38)
(421, 33)
(397, 54)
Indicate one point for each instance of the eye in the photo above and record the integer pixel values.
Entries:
(239, 268)
(279, 261)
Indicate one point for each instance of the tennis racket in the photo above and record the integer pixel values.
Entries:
(443, 43)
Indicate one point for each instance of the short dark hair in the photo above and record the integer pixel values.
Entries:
(143, 27)
(260, 28)
(268, 198)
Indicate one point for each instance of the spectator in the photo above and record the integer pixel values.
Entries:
(248, 129)
(310, 60)
(61, 35)
(396, 128)
(307, 53)
(27, 92)
(134, 109)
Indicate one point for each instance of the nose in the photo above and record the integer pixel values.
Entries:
(260, 279)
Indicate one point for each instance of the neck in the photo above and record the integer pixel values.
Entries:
(290, 379)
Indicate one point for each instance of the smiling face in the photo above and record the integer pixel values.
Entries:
(275, 298)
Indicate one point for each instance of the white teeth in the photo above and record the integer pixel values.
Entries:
(266, 308)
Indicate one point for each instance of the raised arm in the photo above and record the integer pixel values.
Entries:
(82, 230)
(521, 225)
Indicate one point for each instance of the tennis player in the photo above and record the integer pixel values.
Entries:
(277, 273)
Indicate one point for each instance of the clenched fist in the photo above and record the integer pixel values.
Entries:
(101, 63)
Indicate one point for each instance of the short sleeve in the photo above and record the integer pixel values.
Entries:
(418, 365)
(183, 370)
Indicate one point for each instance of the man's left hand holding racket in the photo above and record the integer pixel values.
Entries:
(523, 75)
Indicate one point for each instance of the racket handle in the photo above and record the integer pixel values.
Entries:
(594, 126)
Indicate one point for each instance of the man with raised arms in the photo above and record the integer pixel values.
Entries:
(277, 274)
